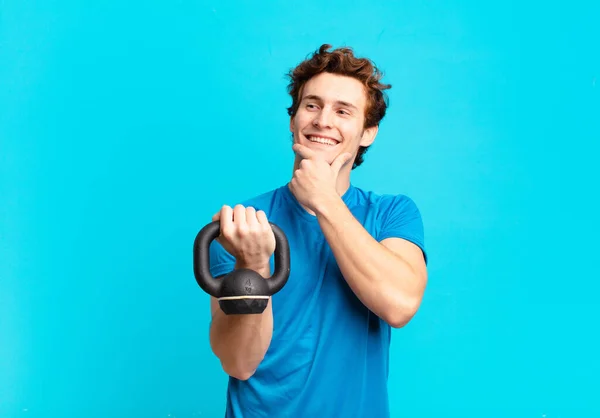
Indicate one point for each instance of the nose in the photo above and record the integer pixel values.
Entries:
(323, 119)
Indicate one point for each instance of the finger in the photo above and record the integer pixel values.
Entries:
(223, 213)
(303, 152)
(261, 217)
(251, 217)
(239, 215)
(340, 161)
(226, 218)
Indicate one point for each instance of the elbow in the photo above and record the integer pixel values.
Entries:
(237, 372)
(398, 320)
(241, 375)
(402, 313)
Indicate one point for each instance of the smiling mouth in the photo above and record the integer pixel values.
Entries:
(321, 140)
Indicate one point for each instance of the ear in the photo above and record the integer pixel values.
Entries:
(292, 124)
(369, 136)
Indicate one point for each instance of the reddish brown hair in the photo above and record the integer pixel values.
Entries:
(342, 61)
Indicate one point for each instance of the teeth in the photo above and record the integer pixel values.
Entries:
(320, 140)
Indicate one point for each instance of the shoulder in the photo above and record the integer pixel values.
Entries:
(387, 204)
(394, 216)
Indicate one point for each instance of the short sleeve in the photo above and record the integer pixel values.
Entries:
(221, 262)
(400, 218)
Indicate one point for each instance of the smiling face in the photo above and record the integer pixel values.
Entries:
(331, 116)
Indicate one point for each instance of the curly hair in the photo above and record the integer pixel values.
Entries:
(342, 61)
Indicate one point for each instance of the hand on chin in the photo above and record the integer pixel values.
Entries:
(314, 180)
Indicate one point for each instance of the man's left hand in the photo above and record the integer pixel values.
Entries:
(315, 180)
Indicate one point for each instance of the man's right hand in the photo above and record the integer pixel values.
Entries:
(247, 235)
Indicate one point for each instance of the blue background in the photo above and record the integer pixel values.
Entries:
(125, 126)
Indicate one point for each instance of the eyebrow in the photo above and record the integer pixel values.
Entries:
(317, 98)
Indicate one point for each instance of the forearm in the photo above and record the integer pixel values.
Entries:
(241, 341)
(381, 279)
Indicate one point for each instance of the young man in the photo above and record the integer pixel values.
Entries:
(358, 264)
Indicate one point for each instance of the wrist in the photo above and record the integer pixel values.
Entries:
(325, 206)
(261, 267)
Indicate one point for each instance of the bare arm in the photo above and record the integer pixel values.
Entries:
(389, 277)
(241, 341)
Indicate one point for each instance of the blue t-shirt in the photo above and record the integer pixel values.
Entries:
(328, 356)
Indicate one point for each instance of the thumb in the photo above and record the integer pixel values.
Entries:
(340, 161)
